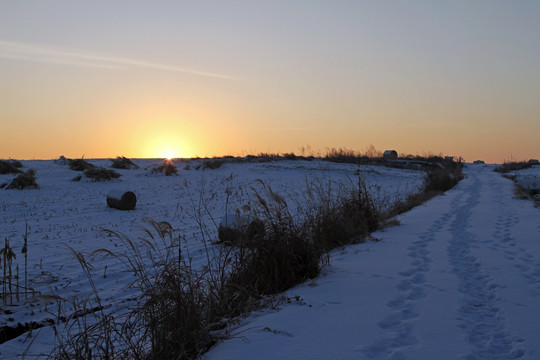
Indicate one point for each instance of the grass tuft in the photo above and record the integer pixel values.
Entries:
(122, 162)
(513, 166)
(441, 177)
(213, 164)
(10, 167)
(80, 165)
(101, 174)
(24, 180)
(167, 168)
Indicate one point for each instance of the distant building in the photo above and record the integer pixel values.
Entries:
(480, 162)
(534, 161)
(390, 154)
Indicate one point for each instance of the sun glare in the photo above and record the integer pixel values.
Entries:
(170, 154)
(165, 146)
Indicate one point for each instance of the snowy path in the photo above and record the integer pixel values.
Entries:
(458, 279)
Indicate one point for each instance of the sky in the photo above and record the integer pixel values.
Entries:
(210, 78)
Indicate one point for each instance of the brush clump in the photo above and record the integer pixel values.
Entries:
(10, 167)
(167, 169)
(121, 162)
(101, 174)
(24, 180)
(80, 165)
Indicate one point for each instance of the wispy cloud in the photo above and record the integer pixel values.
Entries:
(282, 129)
(38, 53)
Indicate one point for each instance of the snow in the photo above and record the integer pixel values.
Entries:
(459, 278)
(529, 178)
(65, 214)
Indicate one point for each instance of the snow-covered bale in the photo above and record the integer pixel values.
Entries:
(238, 230)
(62, 161)
(121, 200)
(390, 154)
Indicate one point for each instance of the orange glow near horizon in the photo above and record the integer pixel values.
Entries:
(417, 84)
(165, 148)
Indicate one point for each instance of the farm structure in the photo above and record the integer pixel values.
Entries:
(390, 154)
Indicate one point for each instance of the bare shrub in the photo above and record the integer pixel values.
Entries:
(121, 162)
(24, 180)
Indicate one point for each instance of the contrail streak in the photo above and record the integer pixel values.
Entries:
(30, 52)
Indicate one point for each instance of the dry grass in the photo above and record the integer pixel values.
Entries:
(336, 215)
(212, 164)
(181, 312)
(345, 156)
(171, 319)
(246, 234)
(121, 162)
(522, 193)
(84, 329)
(10, 167)
(513, 166)
(101, 174)
(80, 165)
(167, 168)
(437, 180)
(24, 180)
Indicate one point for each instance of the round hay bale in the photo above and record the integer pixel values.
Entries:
(238, 230)
(121, 200)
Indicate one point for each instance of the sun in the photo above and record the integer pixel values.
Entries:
(165, 146)
(169, 154)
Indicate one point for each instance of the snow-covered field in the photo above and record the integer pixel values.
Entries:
(66, 214)
(458, 279)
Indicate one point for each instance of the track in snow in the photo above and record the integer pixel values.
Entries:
(480, 314)
(459, 279)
